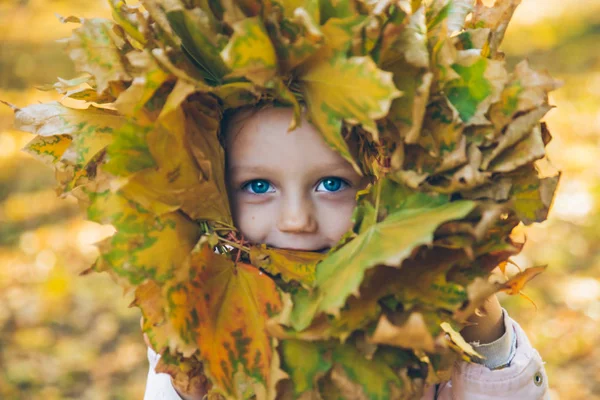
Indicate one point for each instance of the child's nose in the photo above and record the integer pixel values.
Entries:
(296, 216)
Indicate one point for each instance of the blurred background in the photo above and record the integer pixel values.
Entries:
(64, 336)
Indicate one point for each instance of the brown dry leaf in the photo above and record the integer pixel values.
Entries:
(348, 389)
(496, 18)
(469, 176)
(515, 284)
(531, 196)
(526, 151)
(478, 292)
(176, 182)
(187, 375)
(412, 334)
(516, 131)
(357, 314)
(536, 86)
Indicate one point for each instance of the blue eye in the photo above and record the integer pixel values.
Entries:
(258, 186)
(331, 185)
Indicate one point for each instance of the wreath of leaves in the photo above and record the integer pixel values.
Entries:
(449, 135)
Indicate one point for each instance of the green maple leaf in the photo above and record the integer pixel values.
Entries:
(412, 223)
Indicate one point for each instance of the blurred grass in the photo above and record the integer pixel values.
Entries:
(69, 337)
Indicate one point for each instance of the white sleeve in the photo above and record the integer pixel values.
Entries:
(158, 386)
(523, 378)
(499, 353)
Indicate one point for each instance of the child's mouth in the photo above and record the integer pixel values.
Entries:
(323, 250)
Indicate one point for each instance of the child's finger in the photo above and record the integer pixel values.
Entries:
(146, 340)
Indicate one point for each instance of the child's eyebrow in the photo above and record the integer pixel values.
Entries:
(329, 167)
(250, 168)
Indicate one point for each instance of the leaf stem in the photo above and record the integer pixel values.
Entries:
(235, 245)
(377, 197)
(204, 227)
(225, 225)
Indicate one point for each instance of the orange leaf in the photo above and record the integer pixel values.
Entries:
(516, 283)
(160, 331)
(226, 306)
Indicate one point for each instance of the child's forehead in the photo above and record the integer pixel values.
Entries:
(252, 133)
(253, 120)
(261, 137)
(250, 113)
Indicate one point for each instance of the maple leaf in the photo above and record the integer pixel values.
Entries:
(187, 375)
(130, 18)
(517, 282)
(525, 151)
(68, 137)
(133, 100)
(82, 88)
(443, 136)
(413, 333)
(381, 377)
(144, 245)
(340, 89)
(532, 196)
(48, 149)
(457, 341)
(177, 180)
(408, 111)
(305, 362)
(301, 35)
(128, 152)
(404, 40)
(515, 132)
(156, 325)
(250, 52)
(457, 13)
(404, 48)
(479, 84)
(225, 306)
(411, 224)
(198, 29)
(95, 40)
(495, 17)
(422, 280)
(337, 9)
(291, 265)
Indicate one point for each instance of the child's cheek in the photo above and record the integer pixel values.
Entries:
(335, 217)
(253, 220)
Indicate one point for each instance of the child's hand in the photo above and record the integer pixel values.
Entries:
(490, 327)
(195, 390)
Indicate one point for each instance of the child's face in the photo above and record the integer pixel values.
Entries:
(288, 190)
